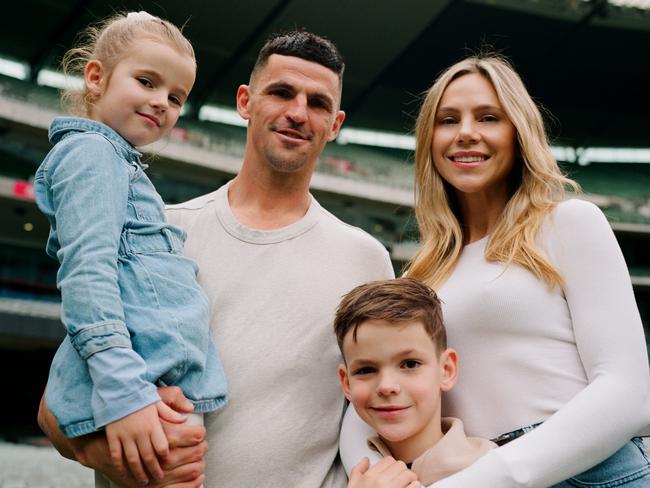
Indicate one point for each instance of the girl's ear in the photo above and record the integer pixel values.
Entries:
(448, 369)
(93, 76)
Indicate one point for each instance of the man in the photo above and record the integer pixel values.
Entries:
(274, 264)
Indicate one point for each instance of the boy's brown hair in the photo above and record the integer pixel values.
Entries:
(396, 301)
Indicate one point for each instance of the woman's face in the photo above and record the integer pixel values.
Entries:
(474, 142)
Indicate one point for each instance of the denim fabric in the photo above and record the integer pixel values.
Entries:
(126, 287)
(628, 467)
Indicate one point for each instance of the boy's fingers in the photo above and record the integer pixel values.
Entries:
(133, 460)
(414, 484)
(358, 471)
(360, 468)
(398, 470)
(382, 465)
(406, 477)
(169, 414)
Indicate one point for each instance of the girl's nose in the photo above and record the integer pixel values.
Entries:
(160, 100)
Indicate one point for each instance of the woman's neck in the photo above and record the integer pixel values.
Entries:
(480, 212)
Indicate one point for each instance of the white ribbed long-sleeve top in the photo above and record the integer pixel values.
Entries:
(573, 357)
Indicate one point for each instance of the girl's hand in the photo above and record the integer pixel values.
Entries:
(139, 438)
(387, 473)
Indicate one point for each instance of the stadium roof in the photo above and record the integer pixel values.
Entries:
(586, 61)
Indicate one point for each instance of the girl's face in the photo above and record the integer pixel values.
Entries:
(141, 98)
(474, 142)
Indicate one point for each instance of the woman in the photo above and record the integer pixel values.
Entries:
(537, 298)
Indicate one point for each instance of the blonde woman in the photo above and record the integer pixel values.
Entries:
(537, 297)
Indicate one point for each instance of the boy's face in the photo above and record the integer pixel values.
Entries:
(393, 376)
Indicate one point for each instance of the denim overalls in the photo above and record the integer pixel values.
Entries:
(133, 310)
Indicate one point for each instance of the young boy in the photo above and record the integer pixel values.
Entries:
(396, 364)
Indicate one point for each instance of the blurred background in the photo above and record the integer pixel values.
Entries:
(585, 61)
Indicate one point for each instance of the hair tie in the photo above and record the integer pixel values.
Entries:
(140, 16)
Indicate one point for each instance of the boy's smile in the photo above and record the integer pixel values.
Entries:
(394, 376)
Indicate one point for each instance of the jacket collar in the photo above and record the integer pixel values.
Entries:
(61, 126)
(454, 452)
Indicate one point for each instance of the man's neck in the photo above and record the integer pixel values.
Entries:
(268, 201)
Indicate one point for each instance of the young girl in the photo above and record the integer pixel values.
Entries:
(537, 298)
(135, 316)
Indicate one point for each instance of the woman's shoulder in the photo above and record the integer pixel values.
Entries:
(576, 213)
(574, 222)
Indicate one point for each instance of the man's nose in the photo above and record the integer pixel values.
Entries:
(297, 109)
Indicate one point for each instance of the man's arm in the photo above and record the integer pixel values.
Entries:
(184, 466)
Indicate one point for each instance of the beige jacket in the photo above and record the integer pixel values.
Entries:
(454, 452)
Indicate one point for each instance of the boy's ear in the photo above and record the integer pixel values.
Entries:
(345, 380)
(448, 369)
(93, 76)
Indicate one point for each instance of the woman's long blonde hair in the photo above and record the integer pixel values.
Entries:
(536, 187)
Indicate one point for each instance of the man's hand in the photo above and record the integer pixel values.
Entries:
(387, 473)
(183, 467)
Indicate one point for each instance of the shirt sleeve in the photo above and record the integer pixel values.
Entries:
(119, 385)
(89, 187)
(615, 406)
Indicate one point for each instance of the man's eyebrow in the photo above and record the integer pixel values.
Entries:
(279, 85)
(314, 95)
(323, 98)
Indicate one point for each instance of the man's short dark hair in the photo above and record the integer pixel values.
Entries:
(304, 45)
(394, 301)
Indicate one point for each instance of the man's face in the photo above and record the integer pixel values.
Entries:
(292, 108)
(393, 376)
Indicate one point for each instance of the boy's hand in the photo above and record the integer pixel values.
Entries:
(139, 438)
(387, 473)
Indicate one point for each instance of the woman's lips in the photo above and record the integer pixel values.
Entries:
(468, 159)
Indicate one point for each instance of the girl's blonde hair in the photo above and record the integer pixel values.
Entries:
(109, 42)
(537, 183)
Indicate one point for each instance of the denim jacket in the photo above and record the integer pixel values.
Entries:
(134, 313)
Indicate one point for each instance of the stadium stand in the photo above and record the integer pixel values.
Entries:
(370, 187)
